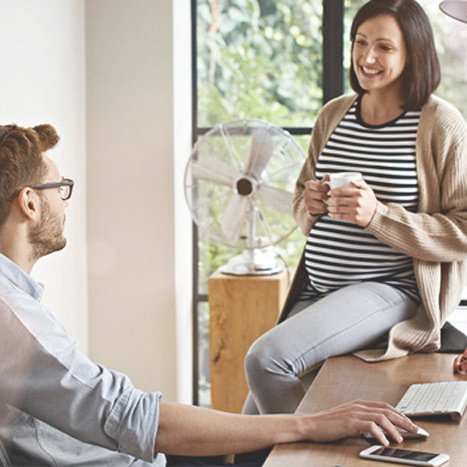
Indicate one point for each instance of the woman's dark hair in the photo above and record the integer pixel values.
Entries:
(422, 72)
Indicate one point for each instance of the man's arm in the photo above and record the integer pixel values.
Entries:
(194, 431)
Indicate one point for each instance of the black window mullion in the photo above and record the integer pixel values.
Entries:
(333, 48)
(293, 130)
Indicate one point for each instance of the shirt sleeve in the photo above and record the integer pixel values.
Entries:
(45, 374)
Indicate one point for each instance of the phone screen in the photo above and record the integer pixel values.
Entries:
(404, 454)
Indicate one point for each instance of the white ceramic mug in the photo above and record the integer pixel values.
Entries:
(343, 179)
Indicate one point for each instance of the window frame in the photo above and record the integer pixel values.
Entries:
(333, 86)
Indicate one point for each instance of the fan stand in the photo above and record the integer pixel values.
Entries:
(253, 261)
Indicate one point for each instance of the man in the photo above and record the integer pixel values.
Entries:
(59, 408)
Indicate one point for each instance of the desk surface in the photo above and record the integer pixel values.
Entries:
(344, 379)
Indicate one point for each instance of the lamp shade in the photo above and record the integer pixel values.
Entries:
(455, 9)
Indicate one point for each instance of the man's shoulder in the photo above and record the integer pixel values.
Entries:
(10, 292)
(7, 290)
(18, 306)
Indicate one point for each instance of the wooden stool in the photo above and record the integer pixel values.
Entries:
(241, 308)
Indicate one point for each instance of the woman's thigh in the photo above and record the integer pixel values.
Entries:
(349, 319)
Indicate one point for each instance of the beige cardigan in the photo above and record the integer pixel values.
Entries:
(435, 236)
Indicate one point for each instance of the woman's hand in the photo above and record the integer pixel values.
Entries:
(359, 417)
(315, 195)
(355, 204)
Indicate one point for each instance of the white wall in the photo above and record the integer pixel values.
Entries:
(121, 70)
(42, 81)
(132, 192)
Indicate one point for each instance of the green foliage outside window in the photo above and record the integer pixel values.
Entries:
(259, 59)
(450, 39)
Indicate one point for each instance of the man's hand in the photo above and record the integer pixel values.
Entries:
(359, 417)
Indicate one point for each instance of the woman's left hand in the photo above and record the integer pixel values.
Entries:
(355, 204)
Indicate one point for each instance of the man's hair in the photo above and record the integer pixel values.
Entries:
(21, 161)
(422, 73)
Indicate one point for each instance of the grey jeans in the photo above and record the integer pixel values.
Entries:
(282, 363)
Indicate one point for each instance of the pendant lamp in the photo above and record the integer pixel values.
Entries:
(456, 9)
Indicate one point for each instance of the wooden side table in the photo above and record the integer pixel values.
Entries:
(241, 308)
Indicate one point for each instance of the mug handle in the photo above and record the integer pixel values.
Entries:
(328, 183)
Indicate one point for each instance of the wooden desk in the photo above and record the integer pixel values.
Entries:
(343, 379)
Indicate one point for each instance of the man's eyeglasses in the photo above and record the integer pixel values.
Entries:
(66, 187)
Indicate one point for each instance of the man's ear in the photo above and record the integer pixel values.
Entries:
(28, 202)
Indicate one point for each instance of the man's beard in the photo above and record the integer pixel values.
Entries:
(47, 237)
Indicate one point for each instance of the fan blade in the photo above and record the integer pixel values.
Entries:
(261, 149)
(234, 216)
(278, 199)
(213, 170)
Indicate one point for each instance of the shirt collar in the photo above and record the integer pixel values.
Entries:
(17, 277)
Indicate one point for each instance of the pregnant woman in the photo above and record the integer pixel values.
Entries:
(384, 261)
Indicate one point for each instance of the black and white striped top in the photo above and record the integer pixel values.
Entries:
(340, 253)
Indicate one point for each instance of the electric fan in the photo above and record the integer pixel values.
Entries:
(239, 184)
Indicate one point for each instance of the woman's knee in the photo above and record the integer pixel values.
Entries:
(255, 359)
(265, 355)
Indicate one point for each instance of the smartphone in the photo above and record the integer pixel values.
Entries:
(404, 456)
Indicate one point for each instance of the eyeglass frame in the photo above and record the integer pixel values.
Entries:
(65, 182)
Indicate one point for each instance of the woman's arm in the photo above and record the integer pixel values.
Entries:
(188, 430)
(438, 232)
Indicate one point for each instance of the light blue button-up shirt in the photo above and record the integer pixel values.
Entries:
(56, 406)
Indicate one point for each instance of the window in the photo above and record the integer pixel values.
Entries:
(450, 38)
(272, 60)
(279, 61)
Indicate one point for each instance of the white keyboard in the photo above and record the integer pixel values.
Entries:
(444, 398)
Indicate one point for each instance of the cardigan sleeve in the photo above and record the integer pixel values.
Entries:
(304, 219)
(438, 232)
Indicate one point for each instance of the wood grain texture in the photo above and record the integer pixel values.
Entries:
(344, 379)
(241, 308)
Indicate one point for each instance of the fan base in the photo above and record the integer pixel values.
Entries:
(253, 263)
